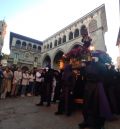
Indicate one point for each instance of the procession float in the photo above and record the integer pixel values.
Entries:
(84, 52)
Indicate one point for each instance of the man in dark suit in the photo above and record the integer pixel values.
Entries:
(96, 107)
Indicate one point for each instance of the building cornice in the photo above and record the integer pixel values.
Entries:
(78, 20)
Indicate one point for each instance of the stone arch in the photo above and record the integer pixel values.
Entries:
(46, 61)
(83, 30)
(58, 55)
(24, 45)
(18, 44)
(39, 48)
(75, 45)
(70, 35)
(64, 38)
(76, 33)
(59, 41)
(51, 45)
(34, 47)
(29, 46)
(48, 46)
(55, 43)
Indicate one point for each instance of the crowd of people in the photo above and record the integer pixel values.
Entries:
(23, 82)
(96, 83)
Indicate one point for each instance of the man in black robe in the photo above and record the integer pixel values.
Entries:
(94, 113)
(66, 97)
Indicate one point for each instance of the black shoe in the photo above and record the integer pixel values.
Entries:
(58, 113)
(39, 104)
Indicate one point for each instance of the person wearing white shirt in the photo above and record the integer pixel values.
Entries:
(31, 84)
(38, 82)
(25, 81)
(16, 82)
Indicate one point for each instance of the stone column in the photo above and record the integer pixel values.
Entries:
(52, 62)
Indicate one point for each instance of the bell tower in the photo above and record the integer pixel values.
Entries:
(3, 27)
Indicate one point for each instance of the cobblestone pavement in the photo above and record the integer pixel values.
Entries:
(21, 113)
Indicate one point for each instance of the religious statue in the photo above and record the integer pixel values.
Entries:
(85, 37)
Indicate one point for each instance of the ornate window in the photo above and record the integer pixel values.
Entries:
(59, 41)
(39, 48)
(24, 45)
(34, 47)
(51, 45)
(64, 38)
(47, 46)
(76, 33)
(70, 35)
(18, 44)
(83, 30)
(55, 43)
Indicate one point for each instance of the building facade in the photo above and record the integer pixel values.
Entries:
(69, 37)
(53, 48)
(24, 51)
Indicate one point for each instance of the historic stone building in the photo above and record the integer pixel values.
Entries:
(51, 49)
(24, 51)
(3, 26)
(67, 38)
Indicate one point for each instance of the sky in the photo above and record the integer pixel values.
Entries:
(40, 19)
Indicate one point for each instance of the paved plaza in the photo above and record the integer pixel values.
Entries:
(21, 113)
